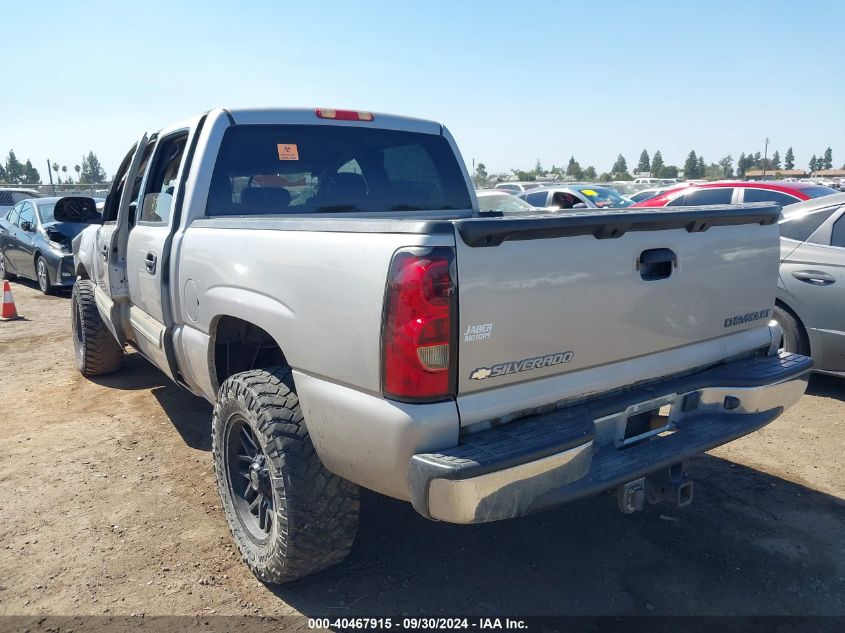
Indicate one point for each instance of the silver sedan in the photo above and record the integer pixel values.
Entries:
(811, 287)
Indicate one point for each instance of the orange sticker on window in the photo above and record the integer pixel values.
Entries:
(288, 151)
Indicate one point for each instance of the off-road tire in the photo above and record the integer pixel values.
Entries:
(314, 512)
(794, 336)
(4, 270)
(95, 349)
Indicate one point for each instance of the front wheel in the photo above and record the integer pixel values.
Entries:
(96, 350)
(4, 272)
(290, 517)
(43, 275)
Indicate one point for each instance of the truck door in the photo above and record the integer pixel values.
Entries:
(147, 248)
(109, 272)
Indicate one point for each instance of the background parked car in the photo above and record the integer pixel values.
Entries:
(648, 194)
(519, 187)
(575, 196)
(811, 286)
(734, 192)
(34, 245)
(9, 197)
(493, 200)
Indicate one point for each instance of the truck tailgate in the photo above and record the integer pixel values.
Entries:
(546, 295)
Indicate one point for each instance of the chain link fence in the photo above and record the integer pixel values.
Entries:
(95, 190)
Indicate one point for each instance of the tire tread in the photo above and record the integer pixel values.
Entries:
(318, 518)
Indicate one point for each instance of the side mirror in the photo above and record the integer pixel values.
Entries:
(77, 209)
(26, 226)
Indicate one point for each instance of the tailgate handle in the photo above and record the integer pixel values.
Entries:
(656, 263)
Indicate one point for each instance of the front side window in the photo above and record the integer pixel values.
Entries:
(696, 197)
(112, 203)
(27, 215)
(139, 178)
(328, 168)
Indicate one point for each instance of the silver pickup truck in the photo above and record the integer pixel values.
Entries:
(326, 280)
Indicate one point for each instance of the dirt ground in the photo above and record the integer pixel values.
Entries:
(108, 505)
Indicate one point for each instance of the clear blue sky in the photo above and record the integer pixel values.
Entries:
(514, 81)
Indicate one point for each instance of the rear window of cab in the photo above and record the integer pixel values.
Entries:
(272, 169)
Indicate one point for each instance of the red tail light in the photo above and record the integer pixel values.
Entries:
(418, 335)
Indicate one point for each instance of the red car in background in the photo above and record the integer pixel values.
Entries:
(734, 192)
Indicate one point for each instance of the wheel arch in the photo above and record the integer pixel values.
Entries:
(787, 307)
(237, 344)
(81, 271)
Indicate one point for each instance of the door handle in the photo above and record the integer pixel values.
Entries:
(105, 252)
(814, 277)
(150, 262)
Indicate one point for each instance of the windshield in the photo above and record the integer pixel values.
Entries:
(329, 168)
(504, 203)
(46, 212)
(603, 197)
(646, 194)
(818, 192)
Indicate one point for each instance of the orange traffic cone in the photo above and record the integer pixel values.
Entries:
(9, 312)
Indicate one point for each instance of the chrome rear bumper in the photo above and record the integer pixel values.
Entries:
(548, 459)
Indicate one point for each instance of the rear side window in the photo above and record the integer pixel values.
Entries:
(801, 227)
(764, 195)
(12, 218)
(703, 197)
(837, 237)
(161, 182)
(330, 168)
(537, 199)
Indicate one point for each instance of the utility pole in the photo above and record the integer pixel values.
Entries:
(765, 157)
(50, 173)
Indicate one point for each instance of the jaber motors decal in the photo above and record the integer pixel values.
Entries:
(516, 366)
(745, 318)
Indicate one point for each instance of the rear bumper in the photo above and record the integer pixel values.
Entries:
(552, 458)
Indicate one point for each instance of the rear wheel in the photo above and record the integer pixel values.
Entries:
(794, 336)
(43, 275)
(96, 350)
(290, 517)
(4, 272)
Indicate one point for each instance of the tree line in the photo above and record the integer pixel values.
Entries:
(14, 172)
(694, 168)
